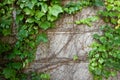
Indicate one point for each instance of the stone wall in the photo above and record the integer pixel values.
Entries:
(67, 40)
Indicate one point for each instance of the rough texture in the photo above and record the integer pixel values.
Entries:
(67, 40)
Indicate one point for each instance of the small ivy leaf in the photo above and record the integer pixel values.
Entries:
(45, 76)
(23, 1)
(45, 25)
(34, 2)
(97, 55)
(109, 7)
(102, 27)
(55, 10)
(98, 71)
(44, 7)
(19, 18)
(6, 32)
(94, 18)
(109, 35)
(102, 48)
(41, 38)
(113, 21)
(96, 36)
(113, 73)
(38, 15)
(30, 20)
(101, 60)
(25, 63)
(88, 21)
(103, 39)
(23, 33)
(16, 65)
(51, 18)
(75, 57)
(22, 6)
(77, 22)
(95, 44)
(28, 11)
(32, 44)
(94, 64)
(99, 3)
(30, 5)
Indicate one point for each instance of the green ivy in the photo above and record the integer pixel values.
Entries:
(87, 20)
(105, 53)
(33, 17)
(105, 57)
(73, 7)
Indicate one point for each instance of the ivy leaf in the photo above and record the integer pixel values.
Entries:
(38, 15)
(30, 20)
(34, 2)
(94, 64)
(28, 11)
(51, 18)
(99, 3)
(55, 10)
(45, 76)
(9, 73)
(19, 17)
(22, 6)
(45, 25)
(44, 7)
(23, 1)
(109, 35)
(30, 5)
(15, 65)
(75, 57)
(97, 55)
(103, 39)
(32, 44)
(101, 60)
(6, 32)
(96, 36)
(113, 73)
(41, 38)
(22, 34)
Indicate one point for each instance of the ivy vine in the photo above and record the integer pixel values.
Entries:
(27, 21)
(105, 54)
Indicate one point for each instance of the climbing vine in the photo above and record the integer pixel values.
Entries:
(27, 21)
(105, 54)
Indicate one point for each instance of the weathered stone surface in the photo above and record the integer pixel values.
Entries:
(67, 40)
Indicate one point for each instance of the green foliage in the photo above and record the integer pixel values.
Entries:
(98, 2)
(105, 57)
(111, 14)
(33, 17)
(9, 73)
(73, 7)
(87, 21)
(75, 57)
(5, 21)
(4, 47)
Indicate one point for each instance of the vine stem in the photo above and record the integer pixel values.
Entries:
(14, 27)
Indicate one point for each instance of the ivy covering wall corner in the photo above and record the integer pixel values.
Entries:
(27, 21)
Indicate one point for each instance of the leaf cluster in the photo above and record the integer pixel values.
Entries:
(105, 55)
(88, 21)
(33, 17)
